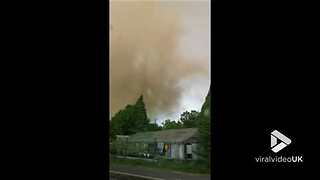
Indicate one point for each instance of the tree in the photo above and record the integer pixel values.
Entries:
(189, 119)
(153, 127)
(116, 125)
(130, 120)
(205, 130)
(139, 116)
(167, 124)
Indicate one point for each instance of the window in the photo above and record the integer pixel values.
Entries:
(188, 151)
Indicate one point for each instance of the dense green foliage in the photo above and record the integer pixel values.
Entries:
(168, 124)
(205, 130)
(131, 120)
(153, 127)
(189, 119)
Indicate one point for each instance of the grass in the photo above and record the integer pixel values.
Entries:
(174, 165)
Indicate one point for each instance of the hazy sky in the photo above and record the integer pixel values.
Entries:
(160, 49)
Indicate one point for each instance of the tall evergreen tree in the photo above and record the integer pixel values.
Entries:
(140, 115)
(130, 120)
(205, 130)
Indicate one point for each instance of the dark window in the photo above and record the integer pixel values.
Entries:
(188, 151)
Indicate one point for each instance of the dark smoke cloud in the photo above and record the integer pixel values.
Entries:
(144, 57)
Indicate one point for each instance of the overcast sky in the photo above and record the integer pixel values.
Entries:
(191, 45)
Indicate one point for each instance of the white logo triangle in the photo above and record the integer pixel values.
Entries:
(284, 141)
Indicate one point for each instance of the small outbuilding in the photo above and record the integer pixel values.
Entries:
(171, 144)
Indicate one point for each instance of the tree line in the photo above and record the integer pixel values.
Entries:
(134, 119)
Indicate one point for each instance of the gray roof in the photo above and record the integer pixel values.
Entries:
(166, 136)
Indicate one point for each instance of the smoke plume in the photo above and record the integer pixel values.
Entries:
(144, 58)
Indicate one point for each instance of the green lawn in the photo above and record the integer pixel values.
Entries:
(174, 165)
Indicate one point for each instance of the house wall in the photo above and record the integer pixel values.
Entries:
(181, 151)
(173, 151)
(194, 148)
(176, 151)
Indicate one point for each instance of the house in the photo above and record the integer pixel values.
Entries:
(171, 144)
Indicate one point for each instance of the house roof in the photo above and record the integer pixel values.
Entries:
(166, 136)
